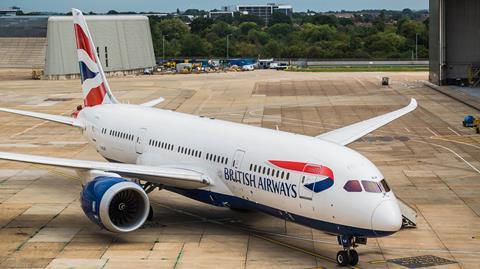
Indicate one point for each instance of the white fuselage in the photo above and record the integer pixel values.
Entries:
(237, 159)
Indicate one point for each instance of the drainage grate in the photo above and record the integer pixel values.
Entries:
(421, 261)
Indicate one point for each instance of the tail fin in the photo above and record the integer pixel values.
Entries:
(96, 90)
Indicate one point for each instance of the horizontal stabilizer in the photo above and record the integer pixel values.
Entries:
(55, 118)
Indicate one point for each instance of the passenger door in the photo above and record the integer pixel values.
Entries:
(238, 159)
(309, 180)
(140, 141)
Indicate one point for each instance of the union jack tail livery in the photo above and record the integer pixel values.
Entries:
(96, 90)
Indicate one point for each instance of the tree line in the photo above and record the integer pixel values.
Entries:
(386, 35)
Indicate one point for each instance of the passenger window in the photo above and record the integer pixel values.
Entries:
(371, 186)
(263, 170)
(353, 186)
(283, 174)
(288, 176)
(278, 173)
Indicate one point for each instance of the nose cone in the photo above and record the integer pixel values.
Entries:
(386, 218)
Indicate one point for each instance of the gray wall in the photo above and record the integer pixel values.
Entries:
(454, 39)
(127, 38)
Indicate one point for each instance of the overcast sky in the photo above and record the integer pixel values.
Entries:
(172, 5)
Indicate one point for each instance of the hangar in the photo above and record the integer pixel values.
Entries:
(124, 44)
(455, 42)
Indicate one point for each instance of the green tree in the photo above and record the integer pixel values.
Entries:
(313, 33)
(245, 27)
(258, 37)
(385, 45)
(320, 19)
(172, 28)
(221, 28)
(193, 45)
(244, 49)
(280, 17)
(280, 30)
(272, 49)
(200, 24)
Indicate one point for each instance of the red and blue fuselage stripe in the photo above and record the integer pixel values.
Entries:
(303, 167)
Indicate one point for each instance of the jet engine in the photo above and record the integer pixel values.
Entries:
(115, 203)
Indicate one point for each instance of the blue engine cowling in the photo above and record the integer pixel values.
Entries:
(115, 204)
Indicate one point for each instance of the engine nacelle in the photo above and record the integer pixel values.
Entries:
(115, 204)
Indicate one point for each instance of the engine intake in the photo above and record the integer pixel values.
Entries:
(115, 204)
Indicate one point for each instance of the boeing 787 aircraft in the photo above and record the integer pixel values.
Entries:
(314, 181)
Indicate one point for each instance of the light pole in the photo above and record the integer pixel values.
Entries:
(163, 49)
(228, 45)
(416, 46)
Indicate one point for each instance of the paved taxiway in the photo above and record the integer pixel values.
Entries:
(431, 161)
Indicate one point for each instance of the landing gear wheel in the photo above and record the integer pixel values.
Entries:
(342, 258)
(150, 214)
(353, 257)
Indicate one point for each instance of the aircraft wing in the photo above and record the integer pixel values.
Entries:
(174, 177)
(350, 133)
(56, 118)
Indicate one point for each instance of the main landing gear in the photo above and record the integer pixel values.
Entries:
(349, 256)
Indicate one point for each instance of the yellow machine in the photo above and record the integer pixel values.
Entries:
(37, 74)
(471, 121)
(170, 64)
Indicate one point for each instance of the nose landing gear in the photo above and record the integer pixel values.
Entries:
(349, 256)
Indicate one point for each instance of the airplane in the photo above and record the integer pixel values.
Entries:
(317, 182)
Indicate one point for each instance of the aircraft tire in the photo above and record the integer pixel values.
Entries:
(342, 258)
(353, 257)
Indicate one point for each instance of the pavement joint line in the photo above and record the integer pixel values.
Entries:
(179, 256)
(454, 131)
(377, 261)
(452, 151)
(430, 130)
(246, 253)
(271, 240)
(454, 141)
(446, 184)
(436, 234)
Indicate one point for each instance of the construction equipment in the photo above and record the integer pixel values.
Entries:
(170, 64)
(37, 74)
(472, 122)
(385, 81)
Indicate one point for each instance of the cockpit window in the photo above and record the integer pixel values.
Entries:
(385, 186)
(353, 186)
(371, 186)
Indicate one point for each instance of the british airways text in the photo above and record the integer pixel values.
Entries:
(262, 183)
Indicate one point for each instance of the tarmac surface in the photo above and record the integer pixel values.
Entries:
(429, 159)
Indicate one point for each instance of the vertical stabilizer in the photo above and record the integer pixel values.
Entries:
(96, 90)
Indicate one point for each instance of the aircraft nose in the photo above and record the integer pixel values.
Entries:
(386, 218)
